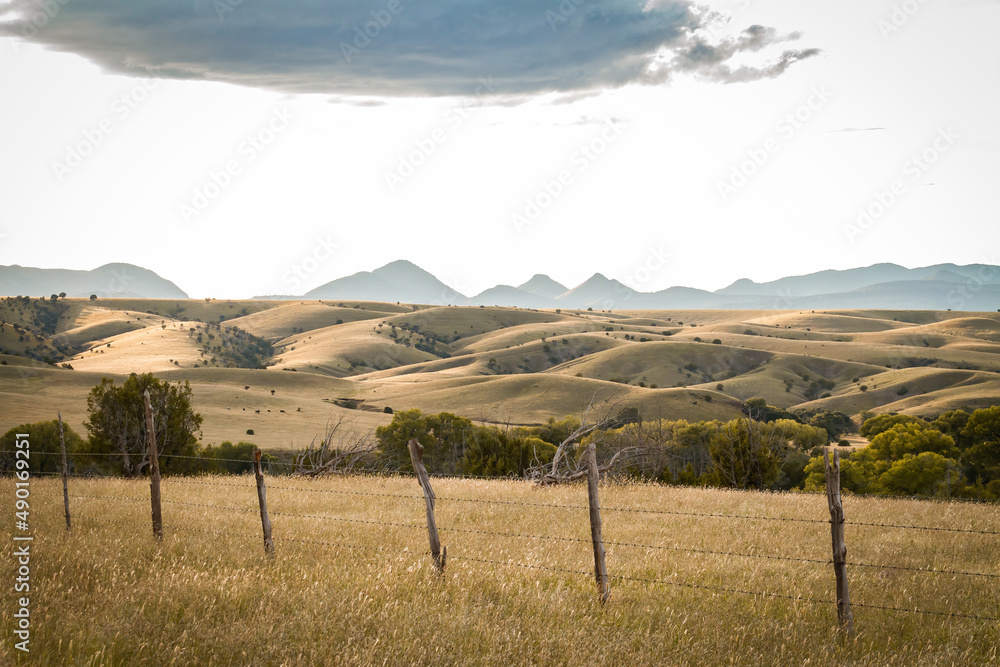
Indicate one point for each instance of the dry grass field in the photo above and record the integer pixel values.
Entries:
(352, 583)
(498, 364)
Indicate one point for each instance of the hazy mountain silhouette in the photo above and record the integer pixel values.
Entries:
(401, 281)
(881, 286)
(110, 280)
(542, 285)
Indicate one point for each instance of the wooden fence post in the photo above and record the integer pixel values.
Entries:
(265, 522)
(417, 457)
(65, 470)
(154, 469)
(844, 614)
(600, 566)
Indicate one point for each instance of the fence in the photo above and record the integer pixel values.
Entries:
(452, 548)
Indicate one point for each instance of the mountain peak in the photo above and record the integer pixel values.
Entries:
(401, 280)
(541, 285)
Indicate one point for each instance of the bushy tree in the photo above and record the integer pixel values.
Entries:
(758, 409)
(982, 432)
(42, 437)
(803, 436)
(117, 422)
(925, 474)
(746, 454)
(443, 436)
(556, 431)
(231, 459)
(852, 477)
(497, 453)
(879, 423)
(910, 438)
(834, 423)
(953, 423)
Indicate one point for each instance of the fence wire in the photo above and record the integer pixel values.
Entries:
(721, 589)
(542, 537)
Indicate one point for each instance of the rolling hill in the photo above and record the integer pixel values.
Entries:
(283, 368)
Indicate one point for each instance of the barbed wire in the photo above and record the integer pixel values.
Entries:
(277, 538)
(609, 480)
(721, 589)
(631, 544)
(948, 530)
(607, 509)
(713, 516)
(550, 537)
(297, 488)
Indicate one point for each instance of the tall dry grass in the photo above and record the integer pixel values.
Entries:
(108, 594)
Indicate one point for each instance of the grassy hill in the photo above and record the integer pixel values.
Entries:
(502, 364)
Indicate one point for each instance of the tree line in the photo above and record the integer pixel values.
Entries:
(762, 447)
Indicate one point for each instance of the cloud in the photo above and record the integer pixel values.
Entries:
(401, 47)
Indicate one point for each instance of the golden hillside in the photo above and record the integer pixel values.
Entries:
(283, 368)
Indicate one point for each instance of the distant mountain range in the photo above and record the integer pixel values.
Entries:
(110, 280)
(887, 286)
(973, 287)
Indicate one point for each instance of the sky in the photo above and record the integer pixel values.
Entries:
(242, 148)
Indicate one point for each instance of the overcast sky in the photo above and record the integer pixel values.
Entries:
(242, 147)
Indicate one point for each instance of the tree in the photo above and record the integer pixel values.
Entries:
(803, 436)
(953, 423)
(925, 474)
(983, 456)
(43, 437)
(834, 423)
(903, 439)
(554, 432)
(443, 436)
(759, 410)
(93, 297)
(747, 454)
(496, 453)
(879, 423)
(230, 459)
(117, 424)
(852, 477)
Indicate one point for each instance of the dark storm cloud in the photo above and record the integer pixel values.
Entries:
(400, 47)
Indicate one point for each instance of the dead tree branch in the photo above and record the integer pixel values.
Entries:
(340, 450)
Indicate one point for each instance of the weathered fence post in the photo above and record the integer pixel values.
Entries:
(844, 614)
(154, 469)
(65, 470)
(417, 457)
(600, 566)
(265, 522)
